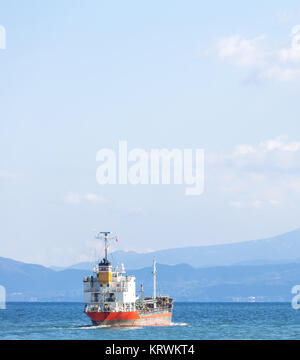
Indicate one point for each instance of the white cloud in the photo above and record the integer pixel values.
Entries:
(280, 145)
(244, 149)
(240, 51)
(94, 198)
(257, 204)
(277, 64)
(292, 53)
(235, 204)
(258, 176)
(280, 73)
(75, 198)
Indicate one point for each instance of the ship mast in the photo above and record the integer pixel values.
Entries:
(154, 278)
(99, 236)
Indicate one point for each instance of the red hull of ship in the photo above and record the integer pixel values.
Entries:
(132, 318)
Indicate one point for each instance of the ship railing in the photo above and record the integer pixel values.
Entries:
(93, 308)
(100, 308)
(152, 310)
(107, 290)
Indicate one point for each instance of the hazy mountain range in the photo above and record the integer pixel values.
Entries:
(264, 269)
(27, 282)
(279, 249)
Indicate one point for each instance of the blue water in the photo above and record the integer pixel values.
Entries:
(190, 321)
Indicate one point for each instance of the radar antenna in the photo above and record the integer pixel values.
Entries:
(105, 235)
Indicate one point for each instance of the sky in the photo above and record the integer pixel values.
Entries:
(80, 76)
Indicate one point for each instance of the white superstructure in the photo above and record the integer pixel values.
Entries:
(109, 290)
(117, 294)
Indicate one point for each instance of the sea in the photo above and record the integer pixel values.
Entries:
(190, 321)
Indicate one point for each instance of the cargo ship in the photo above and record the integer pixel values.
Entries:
(110, 296)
